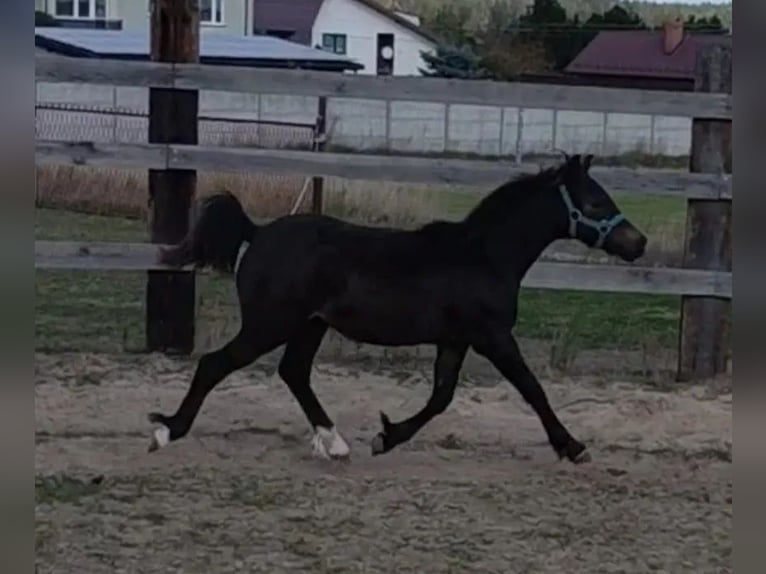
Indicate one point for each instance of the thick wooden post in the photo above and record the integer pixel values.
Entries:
(320, 133)
(706, 321)
(170, 297)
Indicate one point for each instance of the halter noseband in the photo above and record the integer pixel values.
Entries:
(602, 226)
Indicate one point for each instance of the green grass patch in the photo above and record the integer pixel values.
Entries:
(104, 311)
(59, 225)
(598, 320)
(62, 488)
(89, 311)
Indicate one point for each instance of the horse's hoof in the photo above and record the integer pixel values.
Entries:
(160, 438)
(382, 442)
(582, 458)
(328, 444)
(378, 444)
(575, 452)
(160, 435)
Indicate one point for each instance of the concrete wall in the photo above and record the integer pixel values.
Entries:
(361, 25)
(486, 130)
(414, 127)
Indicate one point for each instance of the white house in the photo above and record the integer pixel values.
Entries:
(226, 16)
(383, 41)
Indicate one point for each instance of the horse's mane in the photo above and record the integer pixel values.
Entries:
(512, 193)
(496, 204)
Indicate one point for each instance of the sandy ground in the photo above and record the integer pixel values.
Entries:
(478, 490)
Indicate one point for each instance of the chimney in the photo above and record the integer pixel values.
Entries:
(672, 35)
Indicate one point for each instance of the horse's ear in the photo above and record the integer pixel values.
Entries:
(586, 162)
(562, 173)
(569, 169)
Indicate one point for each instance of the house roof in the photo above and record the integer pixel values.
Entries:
(291, 15)
(640, 53)
(254, 51)
(299, 15)
(404, 22)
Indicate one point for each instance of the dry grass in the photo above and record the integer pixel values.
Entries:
(384, 203)
(124, 192)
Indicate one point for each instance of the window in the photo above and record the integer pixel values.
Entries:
(211, 11)
(65, 8)
(83, 9)
(335, 43)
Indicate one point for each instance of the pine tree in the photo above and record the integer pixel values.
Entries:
(453, 62)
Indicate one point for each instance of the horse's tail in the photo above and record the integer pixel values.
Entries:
(215, 238)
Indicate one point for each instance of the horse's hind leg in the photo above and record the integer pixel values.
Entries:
(449, 360)
(295, 370)
(212, 368)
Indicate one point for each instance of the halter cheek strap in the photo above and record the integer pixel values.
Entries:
(602, 226)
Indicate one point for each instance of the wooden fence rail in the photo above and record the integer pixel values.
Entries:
(73, 255)
(366, 166)
(414, 89)
(705, 282)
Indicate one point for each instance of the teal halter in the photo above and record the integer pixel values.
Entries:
(602, 226)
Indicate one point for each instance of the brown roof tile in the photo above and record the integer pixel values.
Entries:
(640, 53)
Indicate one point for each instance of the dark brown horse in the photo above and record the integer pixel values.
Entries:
(452, 285)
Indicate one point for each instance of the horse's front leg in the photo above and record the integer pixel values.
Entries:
(500, 347)
(449, 360)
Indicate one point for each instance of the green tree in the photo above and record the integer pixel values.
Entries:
(546, 22)
(544, 12)
(450, 22)
(506, 50)
(704, 24)
(453, 62)
(616, 17)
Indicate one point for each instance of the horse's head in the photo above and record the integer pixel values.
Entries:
(592, 215)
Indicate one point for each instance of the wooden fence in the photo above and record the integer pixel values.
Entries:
(704, 281)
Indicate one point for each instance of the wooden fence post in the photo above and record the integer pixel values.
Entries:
(706, 321)
(320, 142)
(170, 296)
